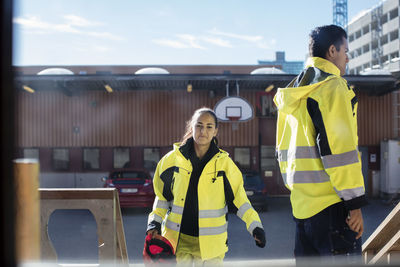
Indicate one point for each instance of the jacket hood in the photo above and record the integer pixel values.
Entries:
(288, 99)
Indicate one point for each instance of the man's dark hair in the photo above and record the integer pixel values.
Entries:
(321, 38)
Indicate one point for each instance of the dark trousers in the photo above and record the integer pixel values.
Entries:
(327, 236)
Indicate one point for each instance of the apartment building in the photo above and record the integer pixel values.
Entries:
(374, 39)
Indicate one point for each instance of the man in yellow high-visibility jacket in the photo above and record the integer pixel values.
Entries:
(317, 149)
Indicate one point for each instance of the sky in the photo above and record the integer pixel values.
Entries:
(161, 32)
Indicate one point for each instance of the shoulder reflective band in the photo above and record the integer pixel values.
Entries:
(338, 160)
(172, 225)
(301, 152)
(213, 230)
(253, 226)
(242, 210)
(212, 213)
(303, 177)
(348, 194)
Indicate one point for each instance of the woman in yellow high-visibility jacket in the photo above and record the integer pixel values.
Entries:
(193, 184)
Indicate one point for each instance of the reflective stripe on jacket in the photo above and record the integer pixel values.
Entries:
(171, 180)
(317, 140)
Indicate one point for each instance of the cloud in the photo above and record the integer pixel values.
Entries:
(182, 41)
(258, 40)
(72, 26)
(170, 43)
(217, 41)
(80, 22)
(249, 38)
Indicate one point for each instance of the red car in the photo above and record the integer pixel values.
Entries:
(135, 187)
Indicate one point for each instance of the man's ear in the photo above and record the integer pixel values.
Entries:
(331, 53)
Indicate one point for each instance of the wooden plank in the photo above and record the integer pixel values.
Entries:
(393, 244)
(103, 203)
(384, 232)
(76, 193)
(122, 252)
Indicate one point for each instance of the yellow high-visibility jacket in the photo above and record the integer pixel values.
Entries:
(220, 183)
(317, 142)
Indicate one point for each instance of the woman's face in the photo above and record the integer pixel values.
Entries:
(204, 129)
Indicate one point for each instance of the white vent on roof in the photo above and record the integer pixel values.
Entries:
(267, 71)
(152, 71)
(55, 71)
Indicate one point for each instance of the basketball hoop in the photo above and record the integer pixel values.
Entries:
(233, 118)
(235, 122)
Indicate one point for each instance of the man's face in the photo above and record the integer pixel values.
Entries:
(340, 58)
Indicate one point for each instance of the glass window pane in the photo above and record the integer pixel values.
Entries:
(242, 157)
(151, 157)
(31, 153)
(60, 159)
(268, 160)
(91, 158)
(121, 157)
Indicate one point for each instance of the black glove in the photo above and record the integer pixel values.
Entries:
(260, 235)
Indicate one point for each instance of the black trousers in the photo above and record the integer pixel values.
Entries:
(326, 236)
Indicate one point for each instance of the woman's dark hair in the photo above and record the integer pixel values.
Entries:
(321, 38)
(196, 115)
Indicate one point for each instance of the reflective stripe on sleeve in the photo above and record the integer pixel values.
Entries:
(162, 204)
(213, 213)
(213, 230)
(348, 194)
(301, 152)
(304, 177)
(177, 209)
(172, 225)
(253, 226)
(155, 217)
(343, 159)
(242, 210)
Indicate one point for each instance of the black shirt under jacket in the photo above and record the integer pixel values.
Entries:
(190, 216)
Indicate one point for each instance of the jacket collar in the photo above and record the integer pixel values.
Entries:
(323, 64)
(187, 149)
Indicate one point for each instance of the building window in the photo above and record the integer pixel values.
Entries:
(352, 55)
(384, 39)
(31, 153)
(358, 34)
(359, 52)
(151, 157)
(60, 159)
(394, 55)
(352, 72)
(393, 13)
(121, 158)
(366, 48)
(374, 44)
(242, 157)
(366, 65)
(268, 159)
(384, 19)
(365, 29)
(351, 38)
(358, 69)
(385, 59)
(394, 35)
(91, 158)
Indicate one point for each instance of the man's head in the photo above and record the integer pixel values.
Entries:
(330, 42)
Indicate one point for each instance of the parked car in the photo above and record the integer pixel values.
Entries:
(255, 189)
(135, 187)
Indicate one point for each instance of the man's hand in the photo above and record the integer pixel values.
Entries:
(355, 222)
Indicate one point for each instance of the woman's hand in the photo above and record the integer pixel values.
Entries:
(154, 233)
